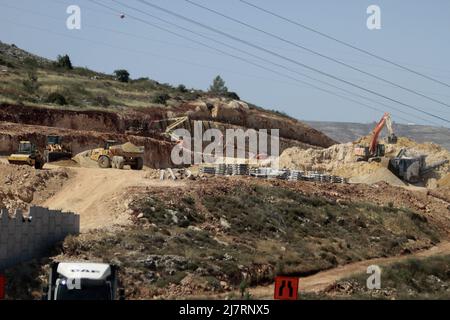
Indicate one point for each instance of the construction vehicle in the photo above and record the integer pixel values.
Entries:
(114, 155)
(83, 281)
(375, 151)
(27, 155)
(55, 150)
(411, 168)
(170, 128)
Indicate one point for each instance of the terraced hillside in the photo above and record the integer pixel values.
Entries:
(86, 107)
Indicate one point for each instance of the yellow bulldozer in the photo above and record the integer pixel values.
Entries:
(55, 150)
(114, 155)
(27, 155)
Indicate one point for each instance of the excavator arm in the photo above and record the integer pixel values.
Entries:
(376, 132)
(385, 121)
(177, 122)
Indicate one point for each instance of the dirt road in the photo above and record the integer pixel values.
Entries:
(321, 280)
(100, 196)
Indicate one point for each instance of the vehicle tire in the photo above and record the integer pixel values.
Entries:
(104, 162)
(120, 163)
(38, 165)
(138, 165)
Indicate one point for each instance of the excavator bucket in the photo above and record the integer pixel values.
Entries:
(55, 150)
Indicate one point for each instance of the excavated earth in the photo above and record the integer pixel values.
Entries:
(114, 227)
(85, 130)
(339, 159)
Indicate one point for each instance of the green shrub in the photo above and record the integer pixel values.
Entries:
(232, 95)
(30, 62)
(64, 62)
(31, 84)
(182, 88)
(56, 98)
(102, 101)
(122, 75)
(160, 98)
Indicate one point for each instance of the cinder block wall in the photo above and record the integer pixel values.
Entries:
(31, 235)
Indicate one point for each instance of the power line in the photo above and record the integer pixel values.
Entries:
(346, 44)
(294, 61)
(188, 62)
(265, 60)
(258, 65)
(318, 53)
(252, 63)
(115, 31)
(122, 48)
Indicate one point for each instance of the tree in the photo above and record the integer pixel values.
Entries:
(161, 98)
(218, 86)
(64, 62)
(122, 75)
(182, 88)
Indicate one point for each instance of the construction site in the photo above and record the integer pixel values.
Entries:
(86, 186)
(123, 191)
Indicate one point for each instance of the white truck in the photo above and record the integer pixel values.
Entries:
(83, 281)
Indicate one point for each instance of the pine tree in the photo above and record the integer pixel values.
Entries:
(218, 86)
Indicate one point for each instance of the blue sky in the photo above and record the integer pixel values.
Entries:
(413, 33)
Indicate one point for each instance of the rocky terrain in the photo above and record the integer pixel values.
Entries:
(22, 186)
(339, 159)
(204, 236)
(81, 115)
(247, 230)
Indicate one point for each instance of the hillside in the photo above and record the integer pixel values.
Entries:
(201, 234)
(86, 107)
(348, 132)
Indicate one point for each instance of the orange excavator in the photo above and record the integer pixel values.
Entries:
(374, 151)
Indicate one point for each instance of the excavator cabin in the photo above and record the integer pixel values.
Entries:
(375, 151)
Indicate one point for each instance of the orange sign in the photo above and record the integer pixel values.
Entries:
(286, 288)
(2, 287)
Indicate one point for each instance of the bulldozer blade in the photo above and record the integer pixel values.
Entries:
(56, 156)
(19, 162)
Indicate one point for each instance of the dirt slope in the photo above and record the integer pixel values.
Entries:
(99, 195)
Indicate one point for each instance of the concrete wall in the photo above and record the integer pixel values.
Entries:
(31, 235)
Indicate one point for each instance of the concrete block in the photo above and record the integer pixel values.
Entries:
(23, 238)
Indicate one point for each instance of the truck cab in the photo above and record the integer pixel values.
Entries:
(83, 281)
(26, 147)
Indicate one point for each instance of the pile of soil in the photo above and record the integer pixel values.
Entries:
(129, 147)
(83, 160)
(382, 174)
(340, 160)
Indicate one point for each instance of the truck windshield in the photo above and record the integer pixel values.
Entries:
(25, 148)
(102, 292)
(53, 140)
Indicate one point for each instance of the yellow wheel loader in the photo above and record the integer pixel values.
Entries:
(27, 155)
(114, 155)
(55, 150)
